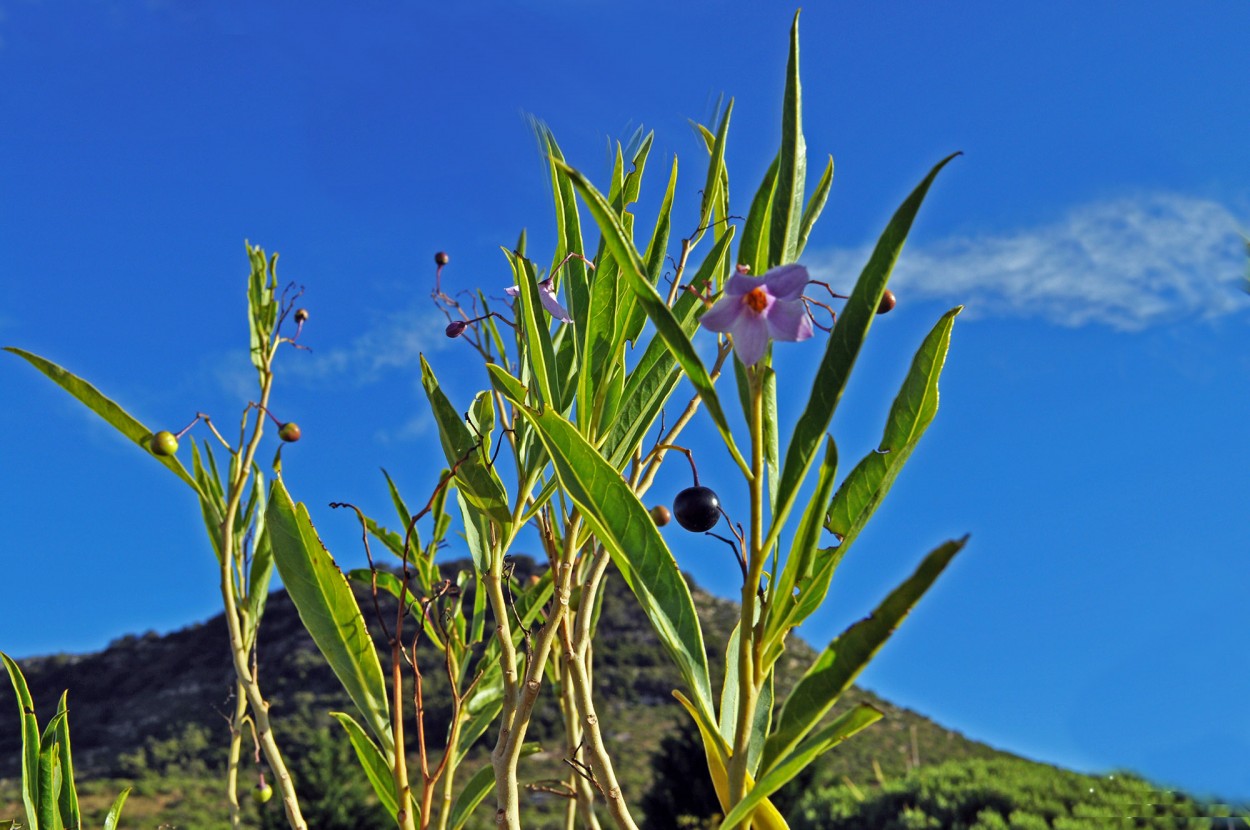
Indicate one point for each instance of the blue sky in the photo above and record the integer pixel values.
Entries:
(1092, 430)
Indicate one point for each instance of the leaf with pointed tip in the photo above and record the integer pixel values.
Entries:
(815, 205)
(68, 805)
(30, 739)
(93, 399)
(657, 248)
(115, 812)
(913, 410)
(844, 658)
(373, 761)
(716, 187)
(787, 205)
(844, 344)
(328, 609)
(661, 316)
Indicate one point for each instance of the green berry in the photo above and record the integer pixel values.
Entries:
(163, 443)
(262, 793)
(289, 432)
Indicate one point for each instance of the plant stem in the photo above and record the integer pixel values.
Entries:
(232, 763)
(748, 687)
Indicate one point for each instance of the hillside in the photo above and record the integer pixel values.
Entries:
(153, 704)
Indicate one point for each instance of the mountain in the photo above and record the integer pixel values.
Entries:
(152, 703)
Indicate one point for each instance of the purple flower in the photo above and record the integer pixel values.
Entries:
(547, 295)
(754, 309)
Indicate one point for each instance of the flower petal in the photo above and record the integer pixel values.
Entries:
(788, 321)
(786, 282)
(750, 338)
(724, 315)
(514, 291)
(740, 284)
(547, 296)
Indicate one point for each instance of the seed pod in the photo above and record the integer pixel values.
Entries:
(289, 432)
(697, 509)
(163, 443)
(888, 301)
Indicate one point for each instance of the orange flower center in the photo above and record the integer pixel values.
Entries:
(756, 300)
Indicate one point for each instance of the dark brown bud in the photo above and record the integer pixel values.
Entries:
(887, 302)
(456, 328)
(441, 258)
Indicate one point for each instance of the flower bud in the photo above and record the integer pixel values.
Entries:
(456, 328)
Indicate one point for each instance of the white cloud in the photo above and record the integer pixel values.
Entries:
(1127, 263)
(394, 343)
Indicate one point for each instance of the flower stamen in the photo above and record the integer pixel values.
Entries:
(756, 299)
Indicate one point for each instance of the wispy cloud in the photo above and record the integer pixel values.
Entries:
(1127, 263)
(395, 342)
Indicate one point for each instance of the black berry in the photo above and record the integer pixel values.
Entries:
(301, 316)
(697, 509)
(441, 258)
(456, 328)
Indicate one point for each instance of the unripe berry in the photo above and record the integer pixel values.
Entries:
(697, 509)
(441, 258)
(262, 793)
(289, 432)
(163, 443)
(301, 316)
(887, 302)
(660, 515)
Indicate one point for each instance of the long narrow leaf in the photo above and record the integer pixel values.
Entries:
(328, 610)
(910, 415)
(842, 661)
(787, 204)
(373, 761)
(753, 250)
(93, 399)
(30, 740)
(815, 205)
(69, 793)
(115, 812)
(622, 525)
(668, 328)
(843, 348)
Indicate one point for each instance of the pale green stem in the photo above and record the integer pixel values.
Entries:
(236, 747)
(748, 688)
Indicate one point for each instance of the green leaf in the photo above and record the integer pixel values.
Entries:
(753, 250)
(261, 303)
(843, 348)
(791, 165)
(48, 806)
(69, 794)
(796, 576)
(657, 248)
(626, 530)
(94, 400)
(328, 610)
(568, 233)
(716, 187)
(30, 741)
(842, 661)
(729, 705)
(536, 329)
(910, 415)
(374, 763)
(477, 788)
(815, 206)
(115, 812)
(653, 379)
(666, 325)
(475, 478)
(854, 721)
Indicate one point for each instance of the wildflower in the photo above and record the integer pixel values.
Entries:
(755, 309)
(547, 295)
